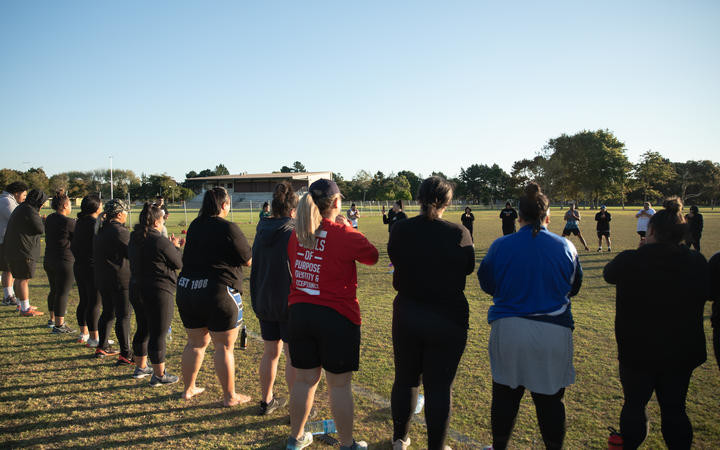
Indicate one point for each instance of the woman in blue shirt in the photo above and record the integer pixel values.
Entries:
(531, 275)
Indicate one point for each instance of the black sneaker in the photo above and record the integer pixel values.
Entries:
(51, 324)
(10, 301)
(62, 329)
(156, 381)
(268, 408)
(142, 372)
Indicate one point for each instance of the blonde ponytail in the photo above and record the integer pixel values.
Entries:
(307, 221)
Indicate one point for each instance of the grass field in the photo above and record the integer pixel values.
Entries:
(53, 393)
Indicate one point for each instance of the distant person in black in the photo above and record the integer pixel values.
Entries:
(395, 215)
(603, 219)
(508, 215)
(154, 260)
(715, 296)
(88, 310)
(695, 227)
(467, 220)
(58, 263)
(661, 289)
(209, 294)
(432, 258)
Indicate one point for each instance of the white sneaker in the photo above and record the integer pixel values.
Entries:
(399, 444)
(83, 338)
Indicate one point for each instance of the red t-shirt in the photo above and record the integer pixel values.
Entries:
(326, 275)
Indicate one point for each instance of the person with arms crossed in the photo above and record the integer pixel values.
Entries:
(572, 226)
(603, 219)
(643, 219)
(10, 198)
(467, 219)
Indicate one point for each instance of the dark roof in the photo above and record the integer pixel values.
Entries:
(261, 176)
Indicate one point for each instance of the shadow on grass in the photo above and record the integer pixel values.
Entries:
(96, 390)
(64, 382)
(57, 369)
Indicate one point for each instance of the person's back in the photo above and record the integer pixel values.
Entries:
(270, 275)
(82, 240)
(8, 203)
(154, 260)
(59, 231)
(112, 268)
(22, 237)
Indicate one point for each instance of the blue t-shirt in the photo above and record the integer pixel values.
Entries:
(531, 277)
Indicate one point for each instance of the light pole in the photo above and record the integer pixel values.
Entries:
(111, 179)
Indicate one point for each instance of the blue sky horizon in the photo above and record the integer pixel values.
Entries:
(169, 87)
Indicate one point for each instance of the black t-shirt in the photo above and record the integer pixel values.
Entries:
(603, 221)
(216, 248)
(393, 218)
(508, 216)
(432, 259)
(82, 240)
(59, 231)
(154, 260)
(467, 219)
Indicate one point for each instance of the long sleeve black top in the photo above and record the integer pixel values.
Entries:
(110, 253)
(22, 238)
(59, 232)
(714, 265)
(154, 261)
(661, 291)
(82, 240)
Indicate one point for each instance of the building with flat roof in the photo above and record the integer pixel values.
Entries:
(256, 187)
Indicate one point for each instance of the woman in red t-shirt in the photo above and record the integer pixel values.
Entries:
(324, 323)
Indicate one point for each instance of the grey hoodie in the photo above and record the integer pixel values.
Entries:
(270, 275)
(7, 206)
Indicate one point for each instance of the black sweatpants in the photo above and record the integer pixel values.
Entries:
(88, 310)
(670, 388)
(116, 305)
(153, 314)
(549, 409)
(60, 278)
(428, 346)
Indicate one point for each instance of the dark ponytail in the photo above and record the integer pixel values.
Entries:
(434, 194)
(150, 214)
(669, 225)
(284, 199)
(533, 207)
(59, 200)
(213, 201)
(89, 205)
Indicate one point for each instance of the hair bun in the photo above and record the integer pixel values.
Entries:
(673, 205)
(532, 189)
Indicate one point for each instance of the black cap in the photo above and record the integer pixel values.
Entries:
(324, 188)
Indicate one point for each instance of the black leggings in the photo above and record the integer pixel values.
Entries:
(671, 390)
(88, 310)
(153, 314)
(60, 278)
(116, 305)
(428, 346)
(549, 409)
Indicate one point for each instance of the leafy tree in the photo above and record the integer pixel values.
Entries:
(298, 167)
(59, 181)
(220, 169)
(191, 174)
(286, 169)
(653, 171)
(484, 183)
(8, 176)
(400, 188)
(413, 179)
(36, 178)
(206, 173)
(695, 178)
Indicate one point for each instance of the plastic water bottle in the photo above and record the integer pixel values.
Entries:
(420, 403)
(169, 333)
(321, 427)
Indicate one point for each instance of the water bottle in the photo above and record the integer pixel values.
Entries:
(321, 427)
(169, 334)
(420, 403)
(243, 338)
(615, 441)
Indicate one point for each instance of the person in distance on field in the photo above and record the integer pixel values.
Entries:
(467, 219)
(11, 197)
(58, 263)
(430, 311)
(643, 219)
(324, 310)
(508, 216)
(265, 211)
(394, 215)
(572, 217)
(209, 294)
(603, 219)
(695, 227)
(659, 326)
(353, 215)
(269, 288)
(531, 274)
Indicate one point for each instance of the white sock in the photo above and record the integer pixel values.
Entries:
(7, 292)
(24, 305)
(12, 291)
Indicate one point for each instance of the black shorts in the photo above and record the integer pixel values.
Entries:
(3, 264)
(205, 303)
(274, 331)
(22, 269)
(641, 233)
(603, 233)
(567, 231)
(321, 336)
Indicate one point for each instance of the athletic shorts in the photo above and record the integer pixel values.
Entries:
(603, 233)
(274, 331)
(642, 233)
(3, 264)
(321, 336)
(204, 303)
(22, 269)
(567, 231)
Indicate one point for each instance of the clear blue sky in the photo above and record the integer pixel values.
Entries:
(342, 86)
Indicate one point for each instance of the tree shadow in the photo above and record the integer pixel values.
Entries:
(64, 382)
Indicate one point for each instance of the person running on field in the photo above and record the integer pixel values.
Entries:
(603, 219)
(58, 264)
(430, 311)
(467, 219)
(531, 274)
(209, 294)
(714, 265)
(643, 219)
(508, 215)
(21, 247)
(395, 215)
(265, 211)
(661, 289)
(10, 198)
(572, 226)
(269, 289)
(154, 260)
(112, 278)
(353, 215)
(88, 310)
(695, 227)
(324, 310)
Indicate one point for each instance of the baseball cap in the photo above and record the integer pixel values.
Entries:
(323, 188)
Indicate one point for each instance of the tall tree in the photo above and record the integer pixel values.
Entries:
(298, 167)
(483, 183)
(413, 179)
(220, 169)
(653, 171)
(36, 178)
(695, 178)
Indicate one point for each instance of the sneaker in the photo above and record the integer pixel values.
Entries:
(297, 444)
(399, 444)
(156, 381)
(91, 343)
(123, 361)
(103, 352)
(356, 445)
(599, 249)
(83, 338)
(268, 408)
(31, 313)
(10, 301)
(609, 249)
(51, 324)
(142, 372)
(31, 308)
(62, 329)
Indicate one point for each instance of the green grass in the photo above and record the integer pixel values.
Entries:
(53, 393)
